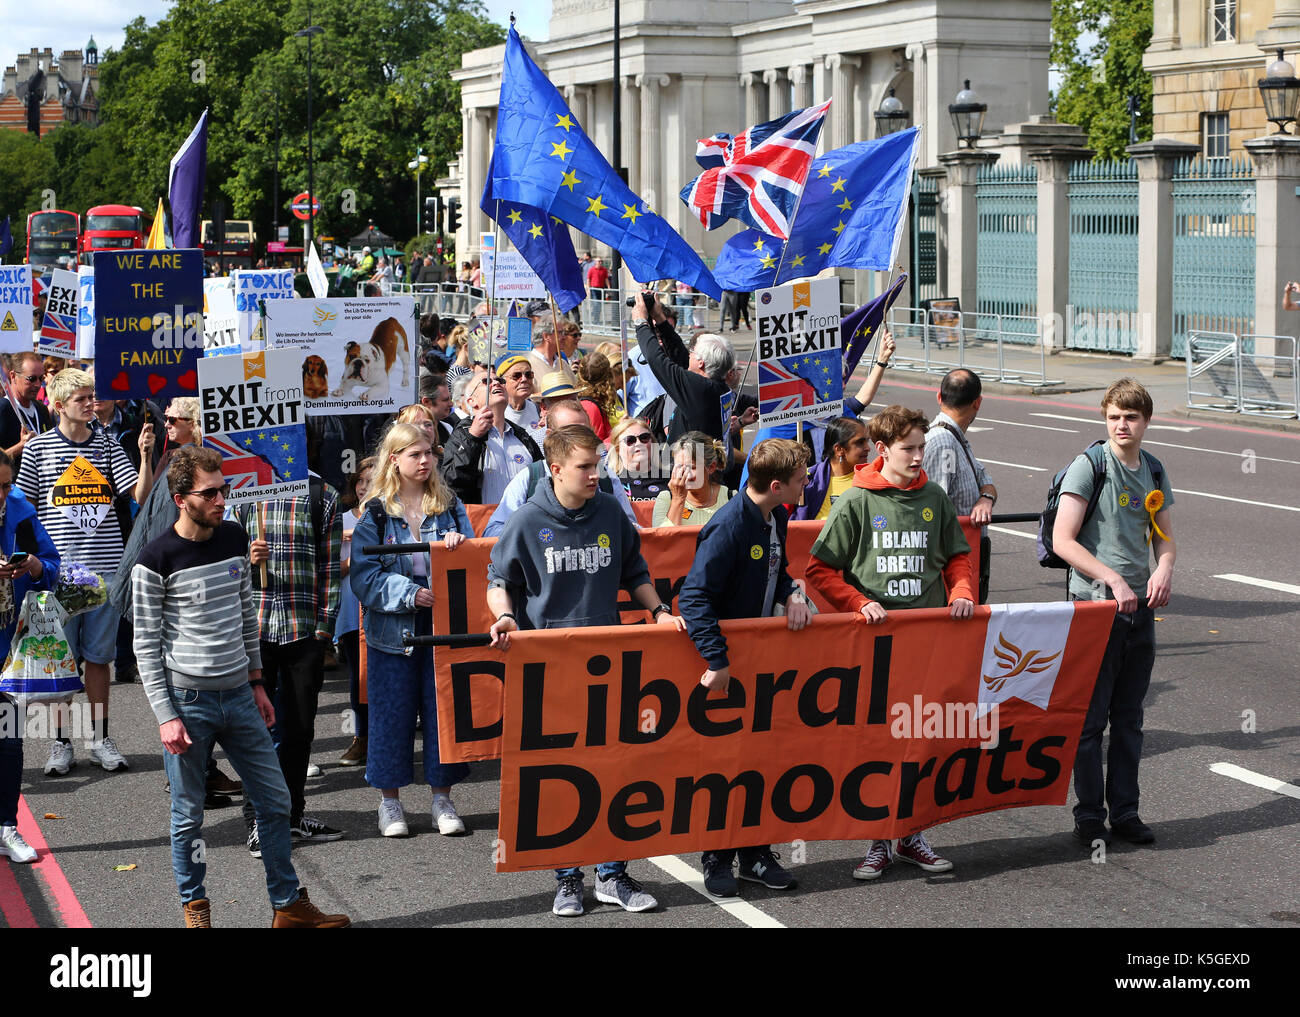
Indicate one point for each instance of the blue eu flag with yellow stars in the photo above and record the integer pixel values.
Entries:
(544, 160)
(852, 213)
(545, 244)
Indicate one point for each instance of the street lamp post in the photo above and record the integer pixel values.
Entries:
(890, 117)
(1280, 92)
(968, 116)
(307, 33)
(417, 164)
(275, 187)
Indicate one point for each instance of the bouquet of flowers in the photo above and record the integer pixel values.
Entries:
(79, 589)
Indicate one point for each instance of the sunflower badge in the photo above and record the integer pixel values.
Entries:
(1153, 503)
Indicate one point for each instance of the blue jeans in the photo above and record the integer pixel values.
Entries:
(230, 719)
(604, 870)
(1117, 699)
(399, 688)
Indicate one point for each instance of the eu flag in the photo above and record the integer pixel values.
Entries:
(545, 244)
(852, 214)
(856, 329)
(543, 159)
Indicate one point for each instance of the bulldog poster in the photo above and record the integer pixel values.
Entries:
(357, 356)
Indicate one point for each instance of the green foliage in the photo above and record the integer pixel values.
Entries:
(381, 86)
(1097, 79)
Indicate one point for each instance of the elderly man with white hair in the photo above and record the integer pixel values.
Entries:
(699, 383)
(546, 355)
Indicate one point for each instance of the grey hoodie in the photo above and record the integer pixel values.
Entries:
(564, 567)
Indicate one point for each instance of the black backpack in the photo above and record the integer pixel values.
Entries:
(1096, 453)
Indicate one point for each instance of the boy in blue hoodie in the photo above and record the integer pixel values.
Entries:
(559, 563)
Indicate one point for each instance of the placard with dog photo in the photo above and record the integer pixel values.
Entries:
(358, 356)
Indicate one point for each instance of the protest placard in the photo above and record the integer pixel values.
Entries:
(316, 275)
(356, 356)
(251, 287)
(58, 336)
(251, 411)
(519, 335)
(220, 319)
(844, 731)
(148, 323)
(15, 308)
(86, 312)
(800, 373)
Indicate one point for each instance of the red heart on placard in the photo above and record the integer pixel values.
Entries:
(121, 383)
(156, 383)
(189, 379)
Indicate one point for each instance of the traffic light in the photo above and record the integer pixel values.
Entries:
(431, 214)
(453, 215)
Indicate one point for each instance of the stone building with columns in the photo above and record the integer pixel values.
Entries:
(692, 68)
(1205, 59)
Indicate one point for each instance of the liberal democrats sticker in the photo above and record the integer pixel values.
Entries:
(234, 570)
(879, 522)
(927, 514)
(756, 552)
(603, 540)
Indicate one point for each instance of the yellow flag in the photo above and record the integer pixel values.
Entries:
(156, 241)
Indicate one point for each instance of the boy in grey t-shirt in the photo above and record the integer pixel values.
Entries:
(1109, 557)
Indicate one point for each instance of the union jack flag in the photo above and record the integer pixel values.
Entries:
(756, 177)
(799, 381)
(59, 334)
(241, 468)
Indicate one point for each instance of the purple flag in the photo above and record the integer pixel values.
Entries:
(185, 185)
(857, 328)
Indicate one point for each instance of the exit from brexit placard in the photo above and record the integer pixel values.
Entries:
(148, 323)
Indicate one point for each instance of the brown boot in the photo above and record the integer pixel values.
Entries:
(303, 914)
(197, 914)
(355, 755)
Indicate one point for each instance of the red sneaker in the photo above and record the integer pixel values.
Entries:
(916, 849)
(879, 858)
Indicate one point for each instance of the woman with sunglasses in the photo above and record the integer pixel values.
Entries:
(634, 459)
(695, 489)
(407, 502)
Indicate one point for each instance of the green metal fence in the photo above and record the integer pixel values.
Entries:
(1214, 248)
(925, 239)
(1006, 278)
(1102, 313)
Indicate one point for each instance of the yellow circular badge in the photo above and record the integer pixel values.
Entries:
(1123, 500)
(927, 515)
(603, 540)
(756, 552)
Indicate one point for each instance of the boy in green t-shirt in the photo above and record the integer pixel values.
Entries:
(1109, 557)
(893, 541)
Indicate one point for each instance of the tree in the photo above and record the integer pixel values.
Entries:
(1097, 47)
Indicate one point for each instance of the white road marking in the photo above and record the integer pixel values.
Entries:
(1013, 533)
(1097, 420)
(1267, 584)
(1016, 466)
(1037, 427)
(1255, 779)
(975, 430)
(740, 910)
(1239, 501)
(1222, 452)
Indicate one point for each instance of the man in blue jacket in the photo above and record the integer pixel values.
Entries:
(741, 571)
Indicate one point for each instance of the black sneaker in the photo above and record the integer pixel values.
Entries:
(1089, 831)
(762, 867)
(1133, 830)
(254, 843)
(718, 877)
(313, 829)
(212, 800)
(126, 674)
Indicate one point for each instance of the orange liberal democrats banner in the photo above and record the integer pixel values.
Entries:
(844, 731)
(469, 698)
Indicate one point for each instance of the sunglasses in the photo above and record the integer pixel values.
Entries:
(31, 378)
(173, 421)
(210, 493)
(516, 376)
(631, 439)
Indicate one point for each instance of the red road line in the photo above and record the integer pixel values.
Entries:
(12, 902)
(65, 902)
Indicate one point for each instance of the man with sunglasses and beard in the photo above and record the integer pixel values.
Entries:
(196, 644)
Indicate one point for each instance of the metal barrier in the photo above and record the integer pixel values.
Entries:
(1229, 373)
(999, 347)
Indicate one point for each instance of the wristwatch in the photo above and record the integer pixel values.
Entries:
(882, 363)
(658, 610)
(993, 498)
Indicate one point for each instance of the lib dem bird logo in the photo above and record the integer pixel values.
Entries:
(1014, 661)
(324, 317)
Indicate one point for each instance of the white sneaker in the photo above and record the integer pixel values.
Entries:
(313, 770)
(106, 755)
(60, 760)
(13, 845)
(444, 814)
(392, 818)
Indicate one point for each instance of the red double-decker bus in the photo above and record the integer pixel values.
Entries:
(53, 238)
(111, 227)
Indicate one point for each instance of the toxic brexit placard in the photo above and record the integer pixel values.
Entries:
(355, 356)
(148, 323)
(252, 413)
(251, 287)
(15, 308)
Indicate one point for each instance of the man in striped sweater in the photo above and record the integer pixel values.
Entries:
(196, 644)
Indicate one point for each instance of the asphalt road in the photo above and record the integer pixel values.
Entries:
(1224, 858)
